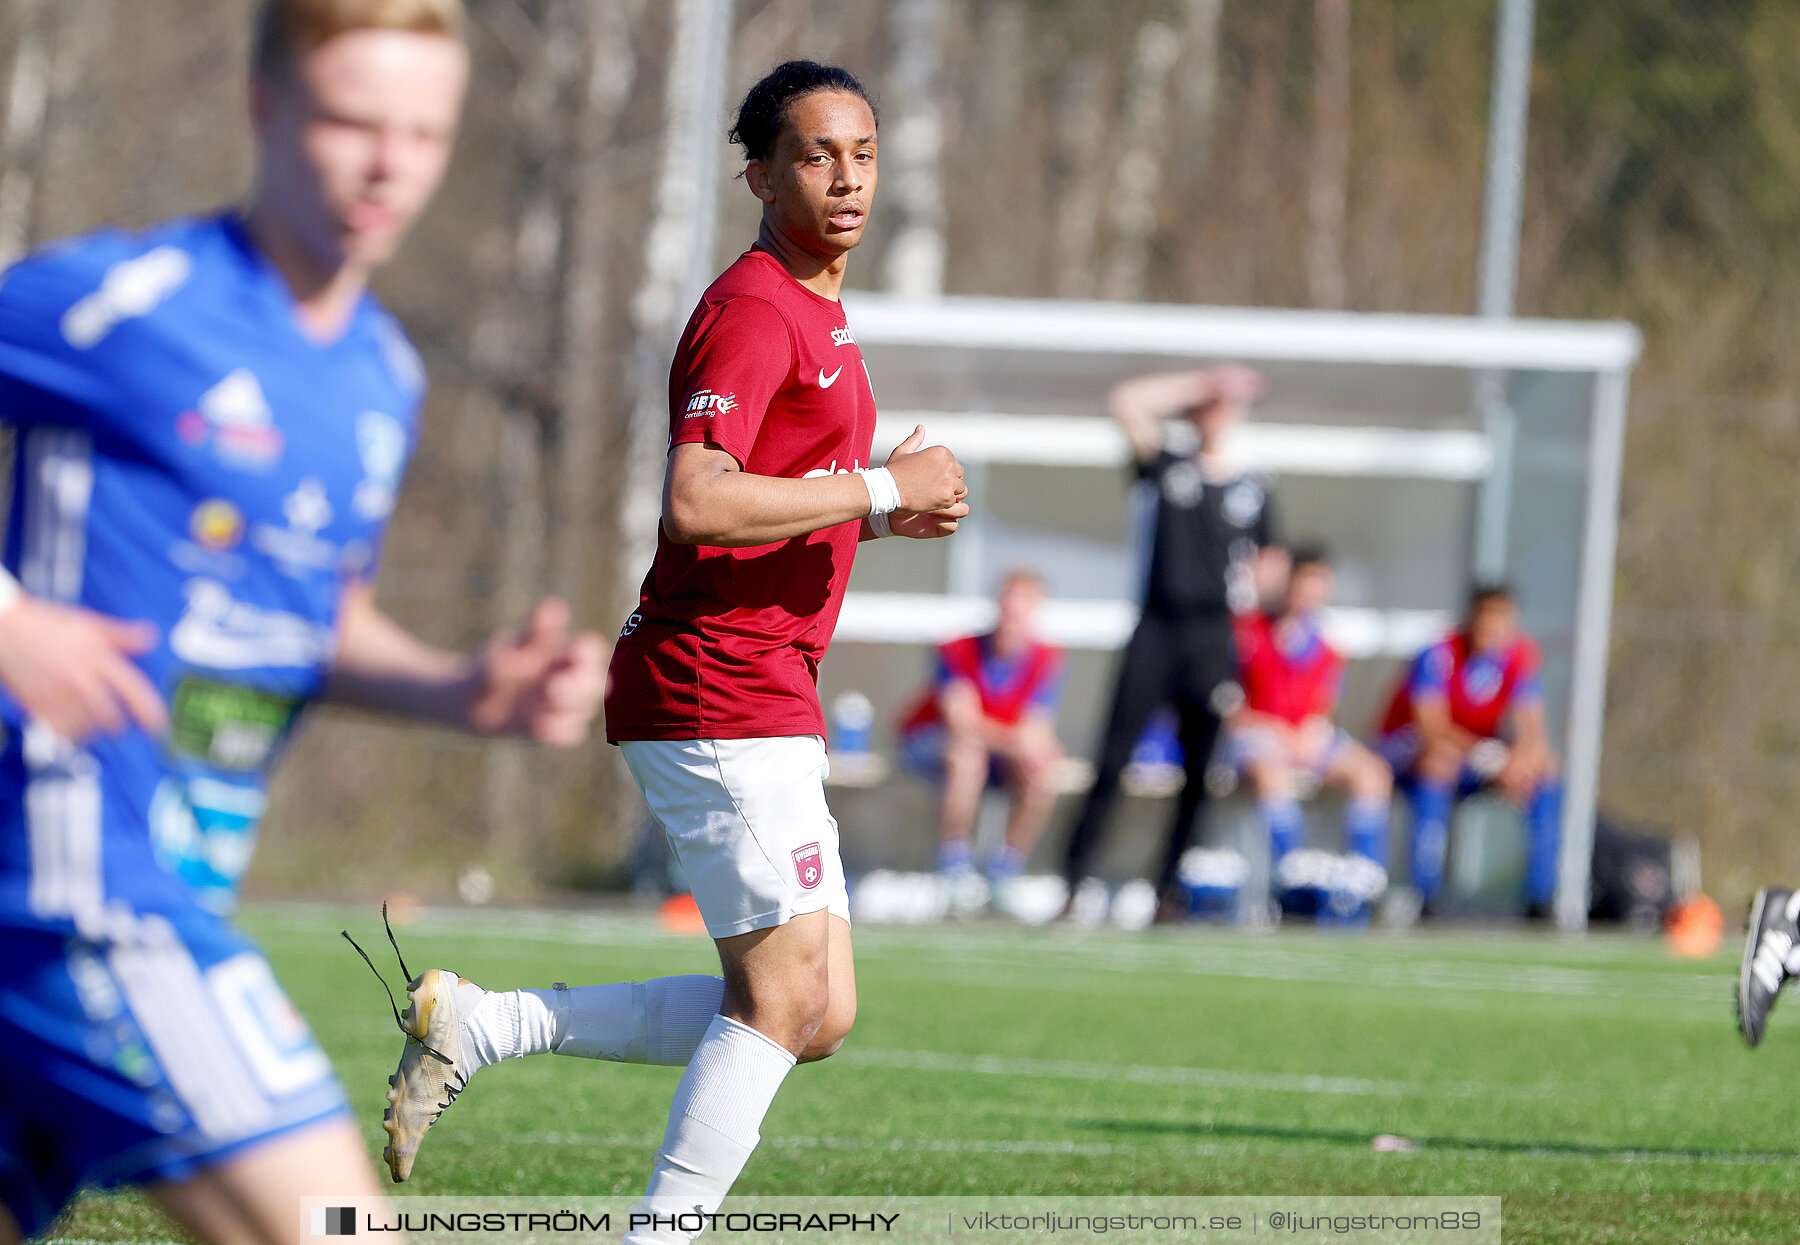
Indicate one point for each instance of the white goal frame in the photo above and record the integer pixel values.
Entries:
(1604, 350)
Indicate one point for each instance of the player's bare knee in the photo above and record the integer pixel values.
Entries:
(1440, 764)
(793, 1027)
(840, 1018)
(1270, 782)
(797, 1014)
(787, 1007)
(1372, 780)
(810, 1015)
(967, 761)
(1037, 774)
(961, 742)
(9, 1231)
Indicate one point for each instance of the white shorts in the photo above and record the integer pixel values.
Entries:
(1246, 744)
(747, 820)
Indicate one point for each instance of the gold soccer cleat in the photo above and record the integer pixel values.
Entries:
(428, 1078)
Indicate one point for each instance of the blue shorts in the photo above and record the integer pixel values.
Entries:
(147, 1046)
(922, 748)
(1401, 749)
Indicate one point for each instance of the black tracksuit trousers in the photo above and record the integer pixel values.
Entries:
(1176, 661)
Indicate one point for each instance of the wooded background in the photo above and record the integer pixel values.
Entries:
(1290, 153)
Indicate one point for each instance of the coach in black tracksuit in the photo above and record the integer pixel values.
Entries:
(1214, 528)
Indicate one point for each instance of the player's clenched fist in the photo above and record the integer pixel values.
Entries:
(929, 479)
(72, 669)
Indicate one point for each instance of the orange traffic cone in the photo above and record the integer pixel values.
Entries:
(1694, 928)
(679, 914)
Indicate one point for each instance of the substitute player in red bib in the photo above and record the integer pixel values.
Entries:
(989, 718)
(1292, 678)
(767, 493)
(1469, 713)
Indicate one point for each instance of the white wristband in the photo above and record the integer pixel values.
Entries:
(878, 523)
(884, 494)
(10, 591)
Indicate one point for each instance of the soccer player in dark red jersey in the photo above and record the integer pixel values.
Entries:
(767, 493)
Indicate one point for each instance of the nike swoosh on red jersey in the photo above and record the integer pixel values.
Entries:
(826, 382)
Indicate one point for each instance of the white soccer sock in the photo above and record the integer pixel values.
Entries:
(714, 1125)
(656, 1022)
(659, 1022)
(489, 1022)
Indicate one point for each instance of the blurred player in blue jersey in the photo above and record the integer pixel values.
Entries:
(212, 418)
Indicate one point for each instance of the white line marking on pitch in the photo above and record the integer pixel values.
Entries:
(1219, 1078)
(1302, 963)
(1162, 1074)
(934, 1145)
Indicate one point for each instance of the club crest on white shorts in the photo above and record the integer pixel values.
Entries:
(809, 868)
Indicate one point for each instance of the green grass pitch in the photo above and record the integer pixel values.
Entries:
(1598, 1086)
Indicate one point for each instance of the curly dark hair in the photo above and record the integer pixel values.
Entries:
(764, 110)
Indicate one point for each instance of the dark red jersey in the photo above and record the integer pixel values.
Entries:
(725, 643)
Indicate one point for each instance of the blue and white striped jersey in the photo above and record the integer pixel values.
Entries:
(186, 455)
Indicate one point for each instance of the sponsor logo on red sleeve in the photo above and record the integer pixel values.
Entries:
(706, 403)
(809, 866)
